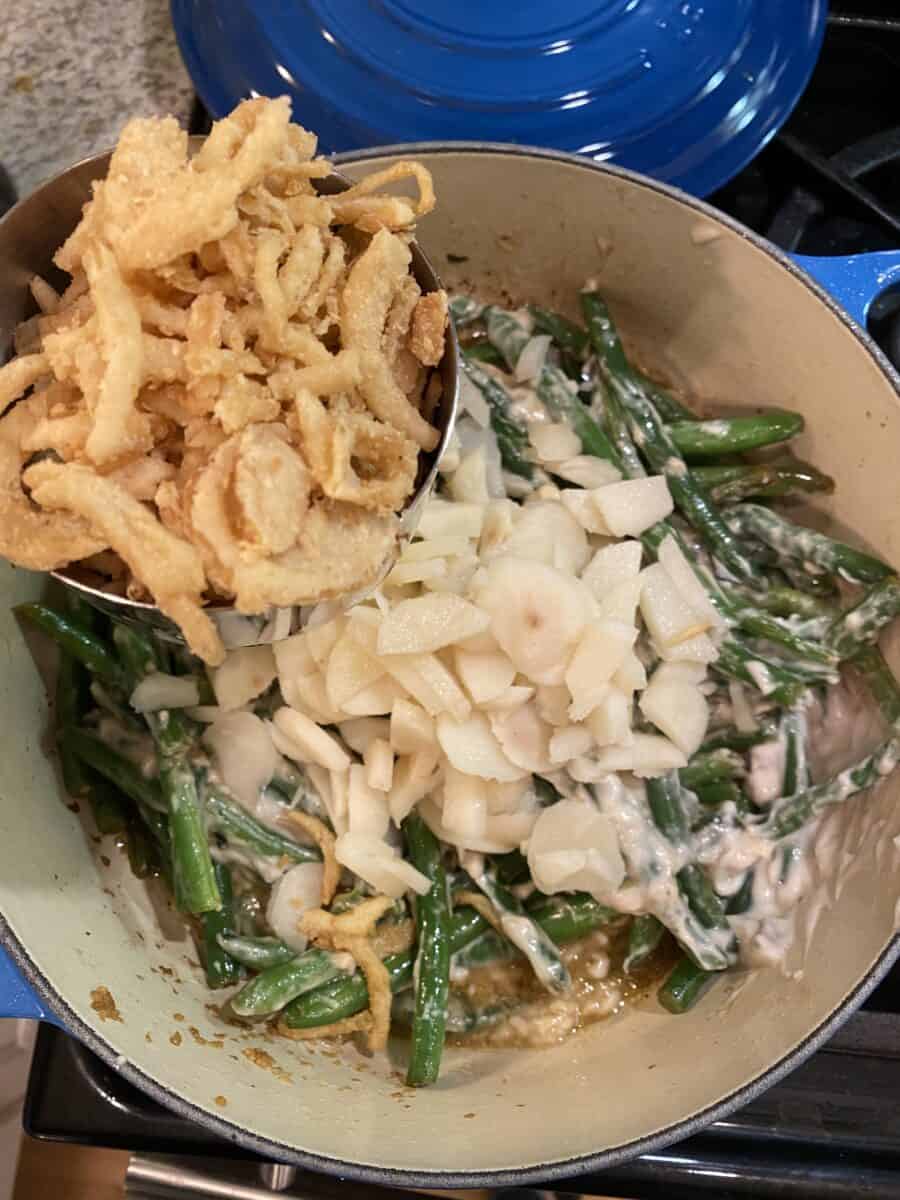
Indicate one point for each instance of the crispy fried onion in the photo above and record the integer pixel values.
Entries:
(482, 906)
(351, 931)
(170, 567)
(41, 541)
(336, 547)
(235, 383)
(354, 457)
(372, 283)
(18, 376)
(324, 839)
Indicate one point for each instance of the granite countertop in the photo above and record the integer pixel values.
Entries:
(73, 71)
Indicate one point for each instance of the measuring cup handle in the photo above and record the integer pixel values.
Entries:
(17, 997)
(854, 281)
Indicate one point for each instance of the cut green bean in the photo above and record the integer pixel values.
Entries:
(879, 677)
(783, 682)
(464, 311)
(432, 970)
(806, 545)
(568, 336)
(742, 899)
(512, 438)
(787, 602)
(192, 865)
(706, 906)
(483, 352)
(666, 803)
(790, 813)
(644, 936)
(725, 791)
(565, 918)
(654, 442)
(734, 435)
(737, 740)
(107, 808)
(143, 852)
(257, 953)
(796, 771)
(78, 641)
(710, 765)
(769, 481)
(224, 815)
(114, 767)
(684, 986)
(862, 624)
(221, 969)
(526, 934)
(274, 988)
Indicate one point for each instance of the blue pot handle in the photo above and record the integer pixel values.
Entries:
(856, 280)
(853, 281)
(17, 998)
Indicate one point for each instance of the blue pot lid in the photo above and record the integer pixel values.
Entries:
(684, 90)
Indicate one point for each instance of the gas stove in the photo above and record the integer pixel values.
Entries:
(828, 184)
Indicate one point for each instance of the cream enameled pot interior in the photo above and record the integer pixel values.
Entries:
(705, 304)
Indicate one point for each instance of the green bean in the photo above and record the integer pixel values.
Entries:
(489, 947)
(706, 906)
(109, 813)
(114, 767)
(274, 988)
(788, 602)
(561, 399)
(879, 677)
(665, 799)
(72, 696)
(770, 481)
(511, 868)
(568, 336)
(526, 934)
(725, 791)
(227, 817)
(432, 970)
(783, 682)
(565, 918)
(83, 612)
(345, 996)
(462, 1016)
(771, 629)
(221, 969)
(483, 352)
(806, 545)
(192, 865)
(174, 732)
(75, 639)
(257, 953)
(143, 852)
(735, 435)
(729, 738)
(512, 439)
(644, 936)
(790, 813)
(464, 310)
(654, 442)
(684, 986)
(712, 765)
(796, 772)
(862, 624)
(742, 899)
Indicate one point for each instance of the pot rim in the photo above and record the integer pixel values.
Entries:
(601, 1159)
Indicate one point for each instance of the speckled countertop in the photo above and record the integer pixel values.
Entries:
(71, 73)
